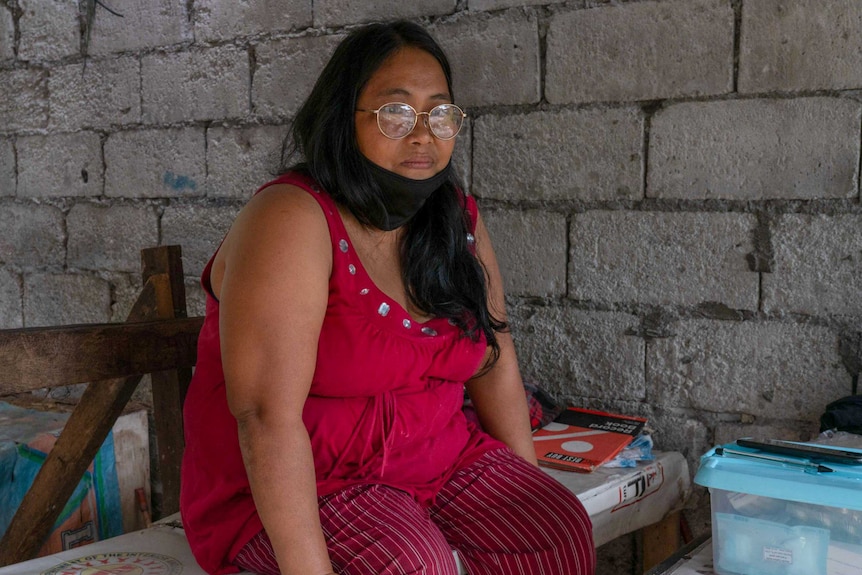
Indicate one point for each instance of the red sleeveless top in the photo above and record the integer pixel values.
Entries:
(384, 404)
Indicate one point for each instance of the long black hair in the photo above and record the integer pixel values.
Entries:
(442, 276)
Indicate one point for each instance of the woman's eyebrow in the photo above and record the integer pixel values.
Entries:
(442, 96)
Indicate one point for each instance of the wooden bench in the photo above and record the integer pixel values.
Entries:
(157, 339)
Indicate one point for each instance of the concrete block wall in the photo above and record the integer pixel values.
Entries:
(672, 185)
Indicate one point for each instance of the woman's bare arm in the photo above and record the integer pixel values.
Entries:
(274, 267)
(498, 395)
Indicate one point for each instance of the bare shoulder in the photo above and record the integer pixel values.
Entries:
(280, 204)
(278, 213)
(279, 228)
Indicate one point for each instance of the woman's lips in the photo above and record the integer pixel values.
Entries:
(418, 163)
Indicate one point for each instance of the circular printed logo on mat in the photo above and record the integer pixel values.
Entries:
(118, 564)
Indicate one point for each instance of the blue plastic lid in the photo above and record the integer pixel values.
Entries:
(793, 479)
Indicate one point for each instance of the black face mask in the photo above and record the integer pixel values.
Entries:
(402, 197)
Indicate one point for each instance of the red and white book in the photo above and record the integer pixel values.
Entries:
(582, 439)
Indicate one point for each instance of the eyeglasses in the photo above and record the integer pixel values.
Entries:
(396, 120)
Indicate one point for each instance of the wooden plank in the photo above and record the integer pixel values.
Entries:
(167, 261)
(676, 562)
(34, 358)
(169, 387)
(168, 398)
(80, 440)
(660, 540)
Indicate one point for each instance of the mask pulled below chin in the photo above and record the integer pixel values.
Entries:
(402, 197)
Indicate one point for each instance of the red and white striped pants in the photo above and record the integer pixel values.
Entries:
(501, 514)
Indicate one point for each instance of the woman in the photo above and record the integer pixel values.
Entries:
(349, 305)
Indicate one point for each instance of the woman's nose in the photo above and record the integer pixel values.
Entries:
(422, 129)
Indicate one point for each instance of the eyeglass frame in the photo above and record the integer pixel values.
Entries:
(416, 119)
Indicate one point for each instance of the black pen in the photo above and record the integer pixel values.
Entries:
(807, 466)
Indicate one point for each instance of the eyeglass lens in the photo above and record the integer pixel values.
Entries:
(397, 120)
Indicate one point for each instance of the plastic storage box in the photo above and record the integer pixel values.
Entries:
(781, 515)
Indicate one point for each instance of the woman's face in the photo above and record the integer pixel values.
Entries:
(411, 76)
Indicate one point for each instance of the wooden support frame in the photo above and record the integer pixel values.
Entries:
(157, 338)
(660, 540)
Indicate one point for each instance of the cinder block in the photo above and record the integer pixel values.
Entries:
(110, 237)
(155, 163)
(57, 299)
(208, 84)
(286, 70)
(531, 249)
(101, 93)
(662, 258)
(771, 369)
(584, 154)
(143, 25)
(240, 160)
(60, 165)
(33, 235)
(640, 51)
(125, 288)
(7, 34)
(462, 156)
(23, 99)
(795, 45)
(49, 30)
(479, 5)
(198, 230)
(494, 60)
(7, 168)
(805, 148)
(219, 20)
(573, 353)
(676, 430)
(818, 263)
(330, 13)
(11, 310)
(619, 555)
(196, 301)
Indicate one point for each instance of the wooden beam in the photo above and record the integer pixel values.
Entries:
(168, 395)
(34, 358)
(660, 540)
(167, 261)
(169, 387)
